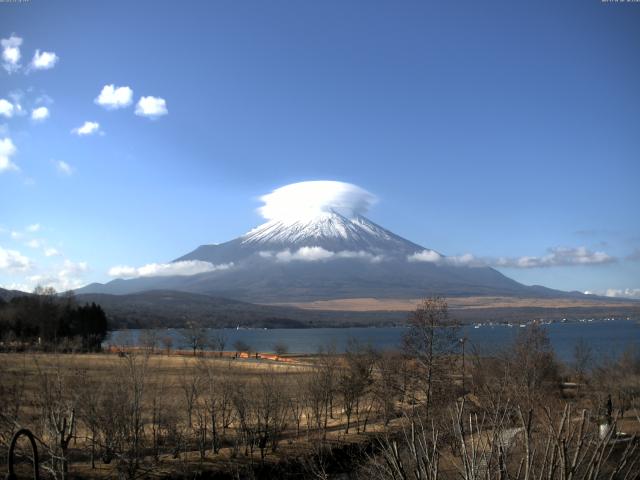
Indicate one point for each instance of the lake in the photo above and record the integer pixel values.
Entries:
(606, 337)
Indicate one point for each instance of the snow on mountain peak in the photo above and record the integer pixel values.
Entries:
(329, 230)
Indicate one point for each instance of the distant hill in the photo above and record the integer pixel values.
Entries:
(6, 295)
(163, 308)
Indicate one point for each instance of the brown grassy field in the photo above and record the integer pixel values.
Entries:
(226, 418)
(179, 383)
(455, 303)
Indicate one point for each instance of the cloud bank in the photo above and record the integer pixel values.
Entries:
(315, 254)
(557, 257)
(183, 268)
(633, 293)
(308, 199)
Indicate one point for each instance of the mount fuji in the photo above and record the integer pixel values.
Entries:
(322, 256)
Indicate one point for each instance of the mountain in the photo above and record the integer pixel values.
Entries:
(7, 295)
(326, 256)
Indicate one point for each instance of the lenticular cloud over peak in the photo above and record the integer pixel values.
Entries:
(305, 200)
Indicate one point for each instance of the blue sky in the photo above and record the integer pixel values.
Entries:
(495, 128)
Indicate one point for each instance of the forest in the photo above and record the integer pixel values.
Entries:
(47, 321)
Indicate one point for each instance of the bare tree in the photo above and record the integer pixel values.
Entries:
(149, 340)
(241, 346)
(534, 370)
(355, 378)
(58, 413)
(167, 343)
(280, 348)
(432, 335)
(217, 341)
(195, 337)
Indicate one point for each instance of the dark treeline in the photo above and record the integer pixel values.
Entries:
(50, 321)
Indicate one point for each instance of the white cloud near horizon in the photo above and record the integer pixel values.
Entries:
(182, 268)
(39, 114)
(34, 227)
(315, 254)
(87, 128)
(7, 150)
(67, 276)
(6, 108)
(44, 60)
(112, 97)
(11, 53)
(307, 199)
(557, 257)
(13, 261)
(633, 293)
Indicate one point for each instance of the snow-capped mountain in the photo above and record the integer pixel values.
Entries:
(324, 256)
(329, 231)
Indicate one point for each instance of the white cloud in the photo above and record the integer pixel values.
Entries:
(123, 271)
(13, 261)
(87, 128)
(15, 98)
(11, 53)
(557, 257)
(112, 97)
(16, 235)
(315, 254)
(152, 107)
(34, 227)
(183, 268)
(7, 150)
(308, 199)
(44, 60)
(68, 276)
(34, 243)
(616, 292)
(425, 256)
(39, 114)
(51, 252)
(305, 254)
(431, 256)
(359, 254)
(63, 167)
(6, 108)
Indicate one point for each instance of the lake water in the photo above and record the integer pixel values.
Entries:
(606, 338)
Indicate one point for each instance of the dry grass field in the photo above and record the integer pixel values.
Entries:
(455, 303)
(180, 396)
(142, 414)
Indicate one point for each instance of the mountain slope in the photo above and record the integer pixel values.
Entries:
(323, 257)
